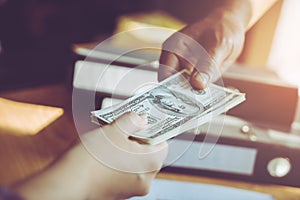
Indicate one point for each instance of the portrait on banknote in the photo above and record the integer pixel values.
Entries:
(173, 102)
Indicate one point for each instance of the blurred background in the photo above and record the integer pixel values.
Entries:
(36, 35)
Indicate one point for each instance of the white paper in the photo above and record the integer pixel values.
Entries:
(178, 190)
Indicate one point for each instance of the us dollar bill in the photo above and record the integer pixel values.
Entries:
(172, 107)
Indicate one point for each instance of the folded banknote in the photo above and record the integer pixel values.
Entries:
(172, 107)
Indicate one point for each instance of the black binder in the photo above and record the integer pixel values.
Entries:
(271, 157)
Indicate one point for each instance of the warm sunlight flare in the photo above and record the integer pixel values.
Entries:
(20, 118)
(284, 56)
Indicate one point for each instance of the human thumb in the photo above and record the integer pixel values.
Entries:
(130, 122)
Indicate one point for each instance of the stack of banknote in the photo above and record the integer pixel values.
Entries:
(172, 107)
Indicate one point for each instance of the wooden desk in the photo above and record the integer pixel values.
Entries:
(22, 156)
(278, 192)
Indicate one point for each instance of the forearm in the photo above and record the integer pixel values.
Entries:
(247, 12)
(239, 10)
(69, 178)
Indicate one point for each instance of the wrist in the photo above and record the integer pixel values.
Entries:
(236, 11)
(68, 178)
(95, 176)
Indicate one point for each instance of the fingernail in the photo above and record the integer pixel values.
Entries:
(143, 118)
(143, 115)
(202, 77)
